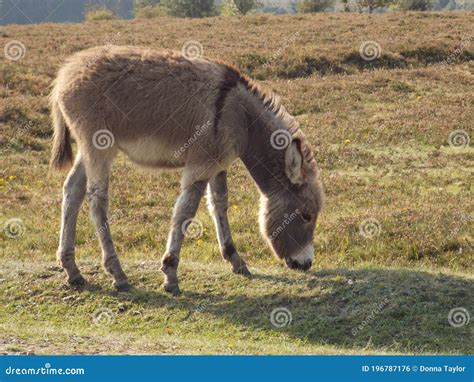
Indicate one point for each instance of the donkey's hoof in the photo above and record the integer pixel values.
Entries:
(172, 288)
(77, 281)
(243, 270)
(123, 286)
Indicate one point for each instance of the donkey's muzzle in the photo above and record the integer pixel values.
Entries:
(303, 259)
(301, 266)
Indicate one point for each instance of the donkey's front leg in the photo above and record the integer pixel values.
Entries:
(218, 204)
(184, 209)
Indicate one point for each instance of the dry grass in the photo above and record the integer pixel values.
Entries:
(380, 132)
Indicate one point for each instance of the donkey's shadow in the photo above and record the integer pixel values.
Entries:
(389, 310)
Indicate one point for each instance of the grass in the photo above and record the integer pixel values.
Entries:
(223, 313)
(380, 133)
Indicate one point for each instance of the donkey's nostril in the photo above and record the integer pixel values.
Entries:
(292, 264)
(305, 266)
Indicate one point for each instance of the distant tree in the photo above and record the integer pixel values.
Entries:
(309, 6)
(228, 8)
(239, 7)
(465, 4)
(351, 6)
(147, 9)
(189, 8)
(415, 5)
(144, 3)
(246, 6)
(99, 13)
(360, 5)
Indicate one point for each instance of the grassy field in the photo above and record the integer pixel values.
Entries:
(381, 133)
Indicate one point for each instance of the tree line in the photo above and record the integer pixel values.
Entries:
(35, 11)
(203, 8)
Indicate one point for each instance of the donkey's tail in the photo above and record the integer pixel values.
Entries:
(61, 154)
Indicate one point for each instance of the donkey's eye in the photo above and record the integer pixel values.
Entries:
(306, 217)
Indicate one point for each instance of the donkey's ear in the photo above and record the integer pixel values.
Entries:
(294, 162)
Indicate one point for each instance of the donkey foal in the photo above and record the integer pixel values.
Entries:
(166, 111)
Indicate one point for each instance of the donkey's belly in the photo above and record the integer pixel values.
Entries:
(150, 152)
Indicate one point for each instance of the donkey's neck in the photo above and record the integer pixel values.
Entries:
(264, 163)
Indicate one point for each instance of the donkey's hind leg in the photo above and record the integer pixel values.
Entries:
(217, 202)
(98, 197)
(74, 191)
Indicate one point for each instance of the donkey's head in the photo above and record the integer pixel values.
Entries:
(288, 215)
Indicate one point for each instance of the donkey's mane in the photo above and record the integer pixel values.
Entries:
(273, 103)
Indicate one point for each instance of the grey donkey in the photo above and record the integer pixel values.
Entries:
(164, 110)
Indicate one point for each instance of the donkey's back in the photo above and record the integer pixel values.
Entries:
(150, 104)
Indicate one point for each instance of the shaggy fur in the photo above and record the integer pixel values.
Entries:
(166, 111)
